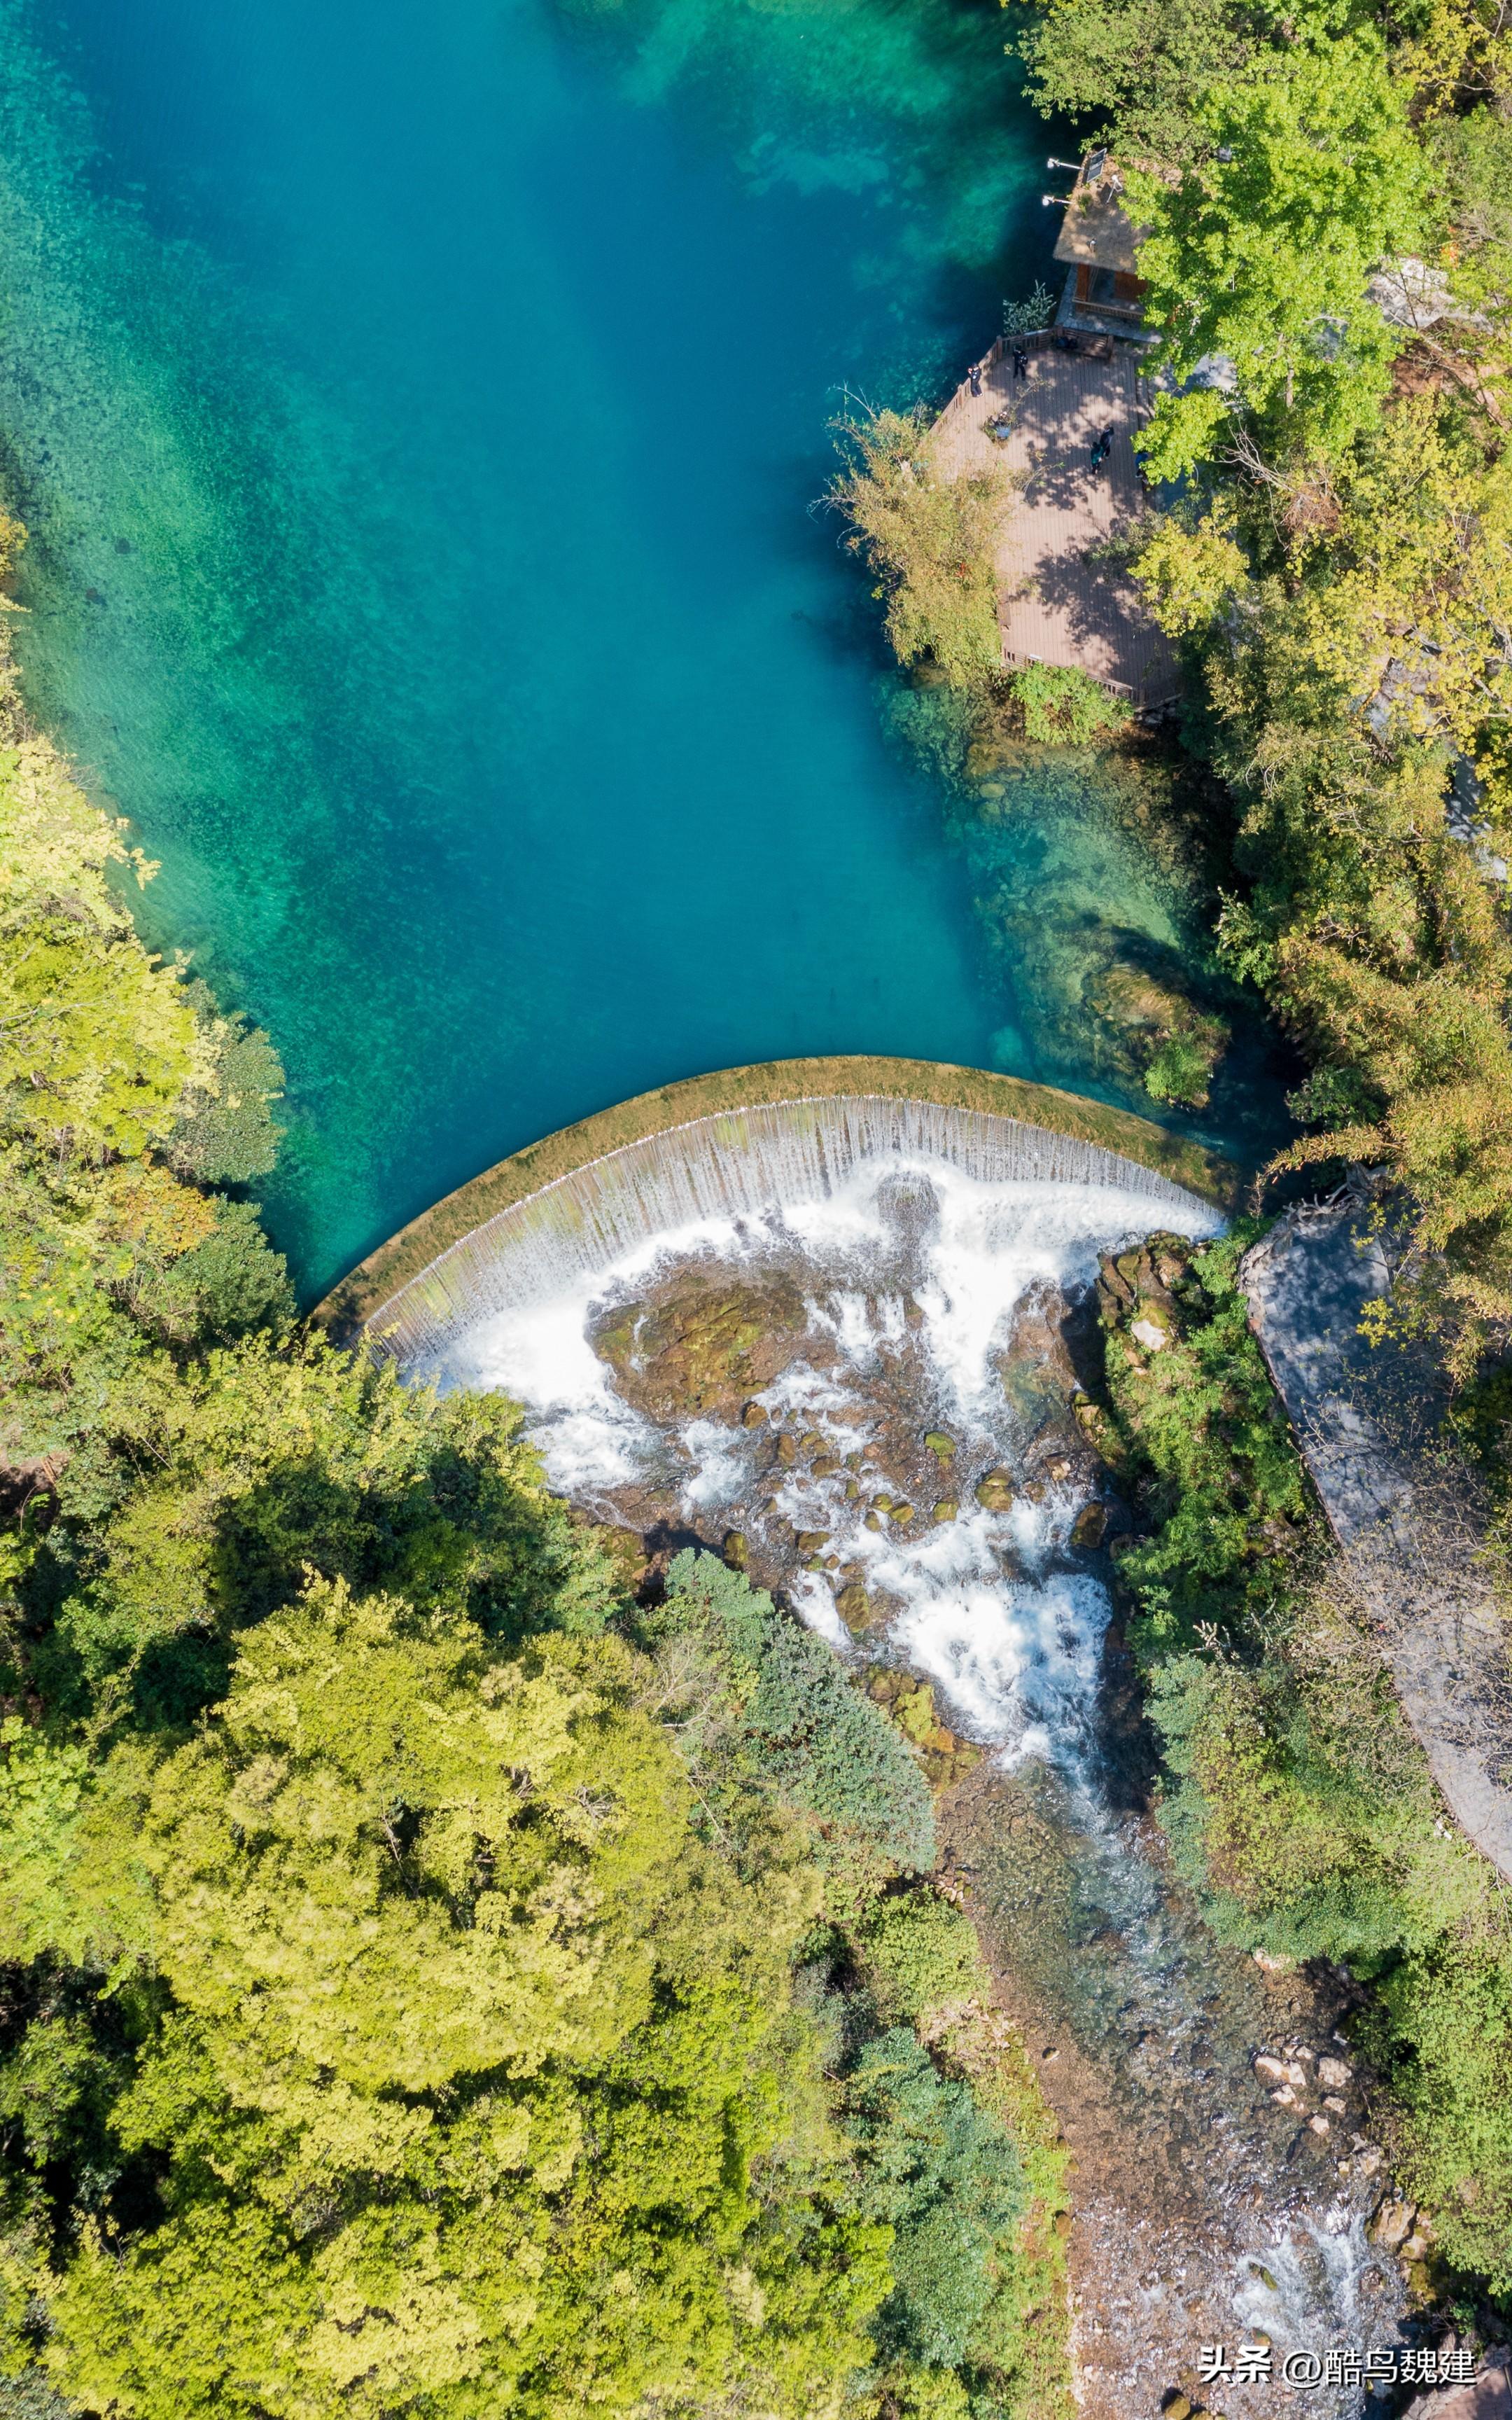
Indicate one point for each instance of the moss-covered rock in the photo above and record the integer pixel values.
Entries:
(855, 1607)
(703, 1343)
(1089, 1528)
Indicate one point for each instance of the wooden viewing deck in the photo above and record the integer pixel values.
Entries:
(1055, 606)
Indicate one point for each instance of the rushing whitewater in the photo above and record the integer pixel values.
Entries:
(893, 1210)
(782, 1156)
(841, 1337)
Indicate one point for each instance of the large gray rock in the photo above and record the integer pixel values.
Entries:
(1406, 1514)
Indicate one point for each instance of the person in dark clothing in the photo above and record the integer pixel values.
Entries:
(976, 377)
(1021, 361)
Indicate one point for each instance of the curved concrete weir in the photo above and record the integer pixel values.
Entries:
(772, 1156)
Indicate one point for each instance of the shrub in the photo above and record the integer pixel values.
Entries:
(919, 1952)
(1059, 702)
(944, 2174)
(822, 1746)
(931, 540)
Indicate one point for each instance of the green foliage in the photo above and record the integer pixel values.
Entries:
(456, 2023)
(1373, 928)
(230, 1284)
(97, 1041)
(1223, 1482)
(1036, 311)
(1056, 703)
(264, 1466)
(1298, 1800)
(920, 1953)
(1260, 250)
(931, 541)
(1139, 69)
(763, 1699)
(943, 2172)
(1182, 1068)
(225, 1133)
(116, 1081)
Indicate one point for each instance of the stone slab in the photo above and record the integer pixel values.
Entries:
(1406, 1515)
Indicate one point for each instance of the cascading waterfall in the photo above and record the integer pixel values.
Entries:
(922, 1245)
(779, 1155)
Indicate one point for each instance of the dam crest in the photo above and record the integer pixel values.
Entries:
(751, 1161)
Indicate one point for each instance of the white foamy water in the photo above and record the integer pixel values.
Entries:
(898, 1243)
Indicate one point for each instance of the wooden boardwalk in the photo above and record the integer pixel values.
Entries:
(1055, 606)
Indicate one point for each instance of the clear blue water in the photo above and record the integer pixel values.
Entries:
(416, 405)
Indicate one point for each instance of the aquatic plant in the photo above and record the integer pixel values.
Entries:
(1060, 703)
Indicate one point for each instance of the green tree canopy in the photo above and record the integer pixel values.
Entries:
(468, 2074)
(1261, 256)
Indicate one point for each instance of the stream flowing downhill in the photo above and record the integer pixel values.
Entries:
(842, 1340)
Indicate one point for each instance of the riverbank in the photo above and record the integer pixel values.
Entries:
(882, 1400)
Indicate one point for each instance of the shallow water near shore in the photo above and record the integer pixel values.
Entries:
(415, 409)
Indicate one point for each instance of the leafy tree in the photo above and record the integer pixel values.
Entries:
(920, 1953)
(1259, 251)
(1138, 69)
(262, 1466)
(765, 1701)
(97, 1041)
(471, 2075)
(115, 1081)
(944, 2174)
(931, 540)
(1342, 657)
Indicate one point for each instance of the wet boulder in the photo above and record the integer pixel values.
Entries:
(1089, 1528)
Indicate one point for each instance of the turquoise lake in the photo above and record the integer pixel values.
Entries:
(417, 408)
